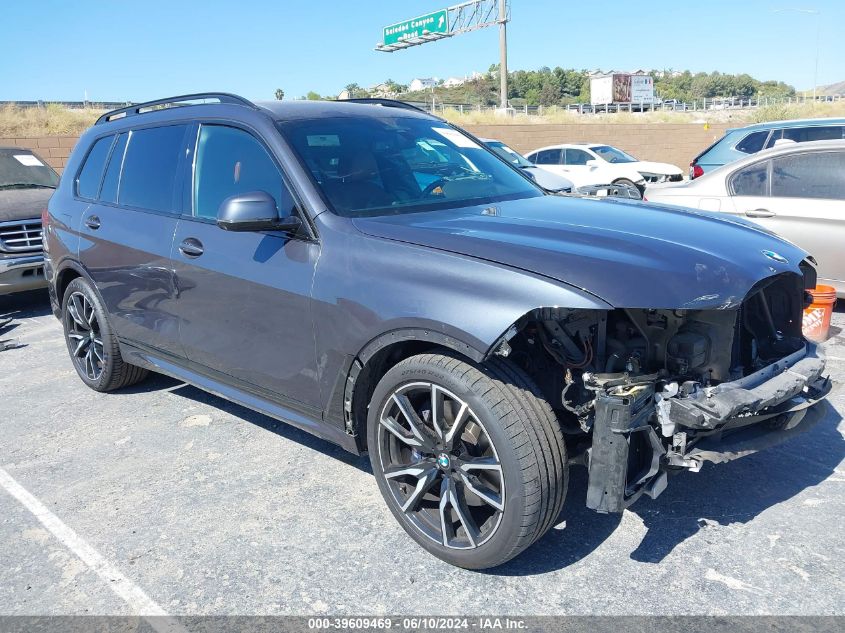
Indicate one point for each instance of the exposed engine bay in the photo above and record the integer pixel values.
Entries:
(670, 383)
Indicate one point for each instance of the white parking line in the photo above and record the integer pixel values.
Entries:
(139, 602)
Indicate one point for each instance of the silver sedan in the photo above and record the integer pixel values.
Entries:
(796, 190)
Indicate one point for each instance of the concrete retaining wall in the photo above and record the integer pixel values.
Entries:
(666, 142)
(671, 143)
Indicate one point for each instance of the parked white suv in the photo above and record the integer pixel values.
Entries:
(596, 163)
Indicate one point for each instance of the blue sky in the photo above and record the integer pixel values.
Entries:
(55, 49)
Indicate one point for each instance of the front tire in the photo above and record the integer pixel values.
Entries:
(92, 345)
(469, 458)
(629, 183)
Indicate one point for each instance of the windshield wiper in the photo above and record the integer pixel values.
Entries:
(26, 185)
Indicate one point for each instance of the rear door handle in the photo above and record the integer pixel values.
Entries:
(191, 247)
(92, 222)
(760, 213)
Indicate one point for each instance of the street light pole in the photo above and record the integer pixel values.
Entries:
(503, 55)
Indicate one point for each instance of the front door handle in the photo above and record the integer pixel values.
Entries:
(92, 222)
(760, 213)
(191, 247)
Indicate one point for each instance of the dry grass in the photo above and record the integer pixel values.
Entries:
(51, 120)
(55, 120)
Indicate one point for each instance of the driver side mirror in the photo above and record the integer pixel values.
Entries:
(254, 211)
(593, 164)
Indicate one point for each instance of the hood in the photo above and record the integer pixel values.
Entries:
(23, 204)
(628, 254)
(656, 168)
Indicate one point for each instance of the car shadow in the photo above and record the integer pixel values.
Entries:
(723, 494)
(160, 382)
(18, 306)
(33, 303)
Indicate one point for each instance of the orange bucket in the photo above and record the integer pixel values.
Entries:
(816, 323)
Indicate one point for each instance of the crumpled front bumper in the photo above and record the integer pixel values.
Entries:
(629, 458)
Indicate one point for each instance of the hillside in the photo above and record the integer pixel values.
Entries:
(832, 89)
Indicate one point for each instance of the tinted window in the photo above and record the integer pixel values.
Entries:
(108, 193)
(232, 162)
(811, 175)
(751, 180)
(753, 143)
(577, 157)
(88, 181)
(400, 164)
(149, 168)
(805, 134)
(548, 157)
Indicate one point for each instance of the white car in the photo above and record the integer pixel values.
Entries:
(795, 190)
(546, 179)
(596, 164)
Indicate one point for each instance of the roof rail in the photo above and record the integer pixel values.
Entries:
(221, 97)
(387, 103)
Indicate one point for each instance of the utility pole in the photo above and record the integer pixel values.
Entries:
(503, 54)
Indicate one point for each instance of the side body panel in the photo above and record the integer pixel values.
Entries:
(365, 287)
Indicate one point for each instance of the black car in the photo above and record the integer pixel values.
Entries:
(376, 276)
(26, 184)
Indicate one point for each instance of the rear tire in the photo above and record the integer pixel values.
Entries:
(91, 343)
(503, 474)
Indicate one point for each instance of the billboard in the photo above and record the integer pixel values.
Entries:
(621, 88)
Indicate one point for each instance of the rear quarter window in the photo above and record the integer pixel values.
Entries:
(753, 143)
(91, 175)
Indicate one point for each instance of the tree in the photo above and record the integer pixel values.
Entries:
(313, 96)
(280, 94)
(355, 91)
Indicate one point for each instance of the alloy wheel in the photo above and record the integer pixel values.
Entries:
(440, 465)
(83, 334)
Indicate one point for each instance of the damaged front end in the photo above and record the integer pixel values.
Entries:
(644, 392)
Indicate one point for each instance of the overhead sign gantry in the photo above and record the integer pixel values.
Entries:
(461, 18)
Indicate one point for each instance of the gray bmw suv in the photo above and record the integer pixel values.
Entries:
(377, 277)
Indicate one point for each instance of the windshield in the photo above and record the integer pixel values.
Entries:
(390, 165)
(20, 168)
(613, 155)
(509, 154)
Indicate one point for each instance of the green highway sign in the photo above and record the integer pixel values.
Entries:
(435, 22)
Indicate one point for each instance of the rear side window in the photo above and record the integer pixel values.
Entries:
(807, 134)
(547, 157)
(232, 162)
(148, 180)
(91, 174)
(108, 193)
(752, 180)
(753, 143)
(810, 175)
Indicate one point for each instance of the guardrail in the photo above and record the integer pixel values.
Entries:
(698, 105)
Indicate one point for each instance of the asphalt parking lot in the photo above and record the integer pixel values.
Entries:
(204, 507)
